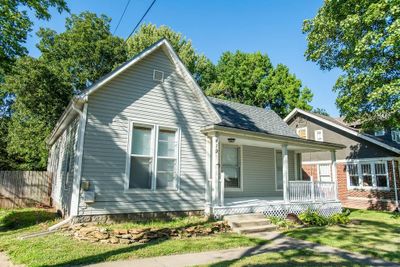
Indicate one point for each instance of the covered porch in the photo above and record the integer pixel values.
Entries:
(257, 172)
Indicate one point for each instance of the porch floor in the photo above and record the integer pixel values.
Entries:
(252, 201)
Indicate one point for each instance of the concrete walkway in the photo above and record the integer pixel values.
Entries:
(5, 262)
(278, 242)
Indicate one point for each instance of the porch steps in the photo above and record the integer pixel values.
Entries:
(249, 223)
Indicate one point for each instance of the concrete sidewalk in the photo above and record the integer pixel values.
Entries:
(279, 242)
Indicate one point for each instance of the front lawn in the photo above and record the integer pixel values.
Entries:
(289, 258)
(59, 250)
(373, 233)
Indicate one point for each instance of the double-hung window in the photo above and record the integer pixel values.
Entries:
(324, 172)
(153, 158)
(368, 175)
(166, 159)
(231, 166)
(352, 170)
(141, 161)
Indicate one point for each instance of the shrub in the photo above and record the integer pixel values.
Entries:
(313, 218)
(282, 223)
(340, 218)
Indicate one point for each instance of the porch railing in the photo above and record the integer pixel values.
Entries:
(301, 191)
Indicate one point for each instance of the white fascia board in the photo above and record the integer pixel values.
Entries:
(340, 127)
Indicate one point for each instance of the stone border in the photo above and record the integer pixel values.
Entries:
(137, 217)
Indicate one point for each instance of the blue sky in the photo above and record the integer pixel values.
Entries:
(272, 27)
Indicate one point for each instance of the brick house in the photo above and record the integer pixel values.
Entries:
(367, 169)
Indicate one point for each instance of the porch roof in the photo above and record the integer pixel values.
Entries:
(272, 138)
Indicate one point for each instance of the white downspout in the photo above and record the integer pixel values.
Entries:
(395, 184)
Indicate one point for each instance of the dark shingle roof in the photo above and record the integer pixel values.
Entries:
(250, 118)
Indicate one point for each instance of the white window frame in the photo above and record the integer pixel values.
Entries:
(319, 171)
(396, 136)
(380, 132)
(155, 128)
(300, 129)
(231, 189)
(320, 133)
(360, 176)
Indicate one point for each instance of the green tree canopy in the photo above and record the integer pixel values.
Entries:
(251, 79)
(85, 51)
(15, 25)
(43, 87)
(41, 96)
(201, 67)
(362, 38)
(320, 111)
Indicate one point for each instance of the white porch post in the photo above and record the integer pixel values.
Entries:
(334, 172)
(208, 181)
(285, 172)
(217, 197)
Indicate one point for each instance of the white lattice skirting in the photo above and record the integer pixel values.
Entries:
(281, 209)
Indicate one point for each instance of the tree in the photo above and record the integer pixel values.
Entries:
(15, 25)
(41, 96)
(85, 52)
(43, 87)
(251, 79)
(201, 67)
(362, 38)
(320, 111)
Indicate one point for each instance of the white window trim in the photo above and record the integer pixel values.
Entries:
(276, 172)
(372, 164)
(302, 128)
(380, 132)
(230, 189)
(316, 132)
(330, 170)
(153, 152)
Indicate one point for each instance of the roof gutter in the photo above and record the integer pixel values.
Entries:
(75, 105)
(271, 137)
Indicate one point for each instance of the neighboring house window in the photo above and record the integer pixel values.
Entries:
(368, 175)
(396, 136)
(302, 132)
(380, 132)
(319, 135)
(231, 158)
(324, 173)
(352, 170)
(147, 169)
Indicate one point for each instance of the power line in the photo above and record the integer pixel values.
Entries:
(140, 21)
(120, 19)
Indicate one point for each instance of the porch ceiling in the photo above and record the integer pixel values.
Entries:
(243, 137)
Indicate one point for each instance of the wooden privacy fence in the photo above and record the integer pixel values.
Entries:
(24, 189)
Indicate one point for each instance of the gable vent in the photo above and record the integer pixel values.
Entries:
(158, 76)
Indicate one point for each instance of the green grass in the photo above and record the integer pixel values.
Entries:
(302, 257)
(378, 235)
(60, 250)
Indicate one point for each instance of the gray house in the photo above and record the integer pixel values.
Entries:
(144, 138)
(367, 169)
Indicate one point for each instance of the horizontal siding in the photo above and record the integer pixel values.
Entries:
(259, 173)
(133, 95)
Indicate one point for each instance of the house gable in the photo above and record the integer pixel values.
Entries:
(134, 96)
(356, 147)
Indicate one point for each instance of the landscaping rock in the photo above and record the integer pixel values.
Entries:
(90, 232)
(294, 218)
